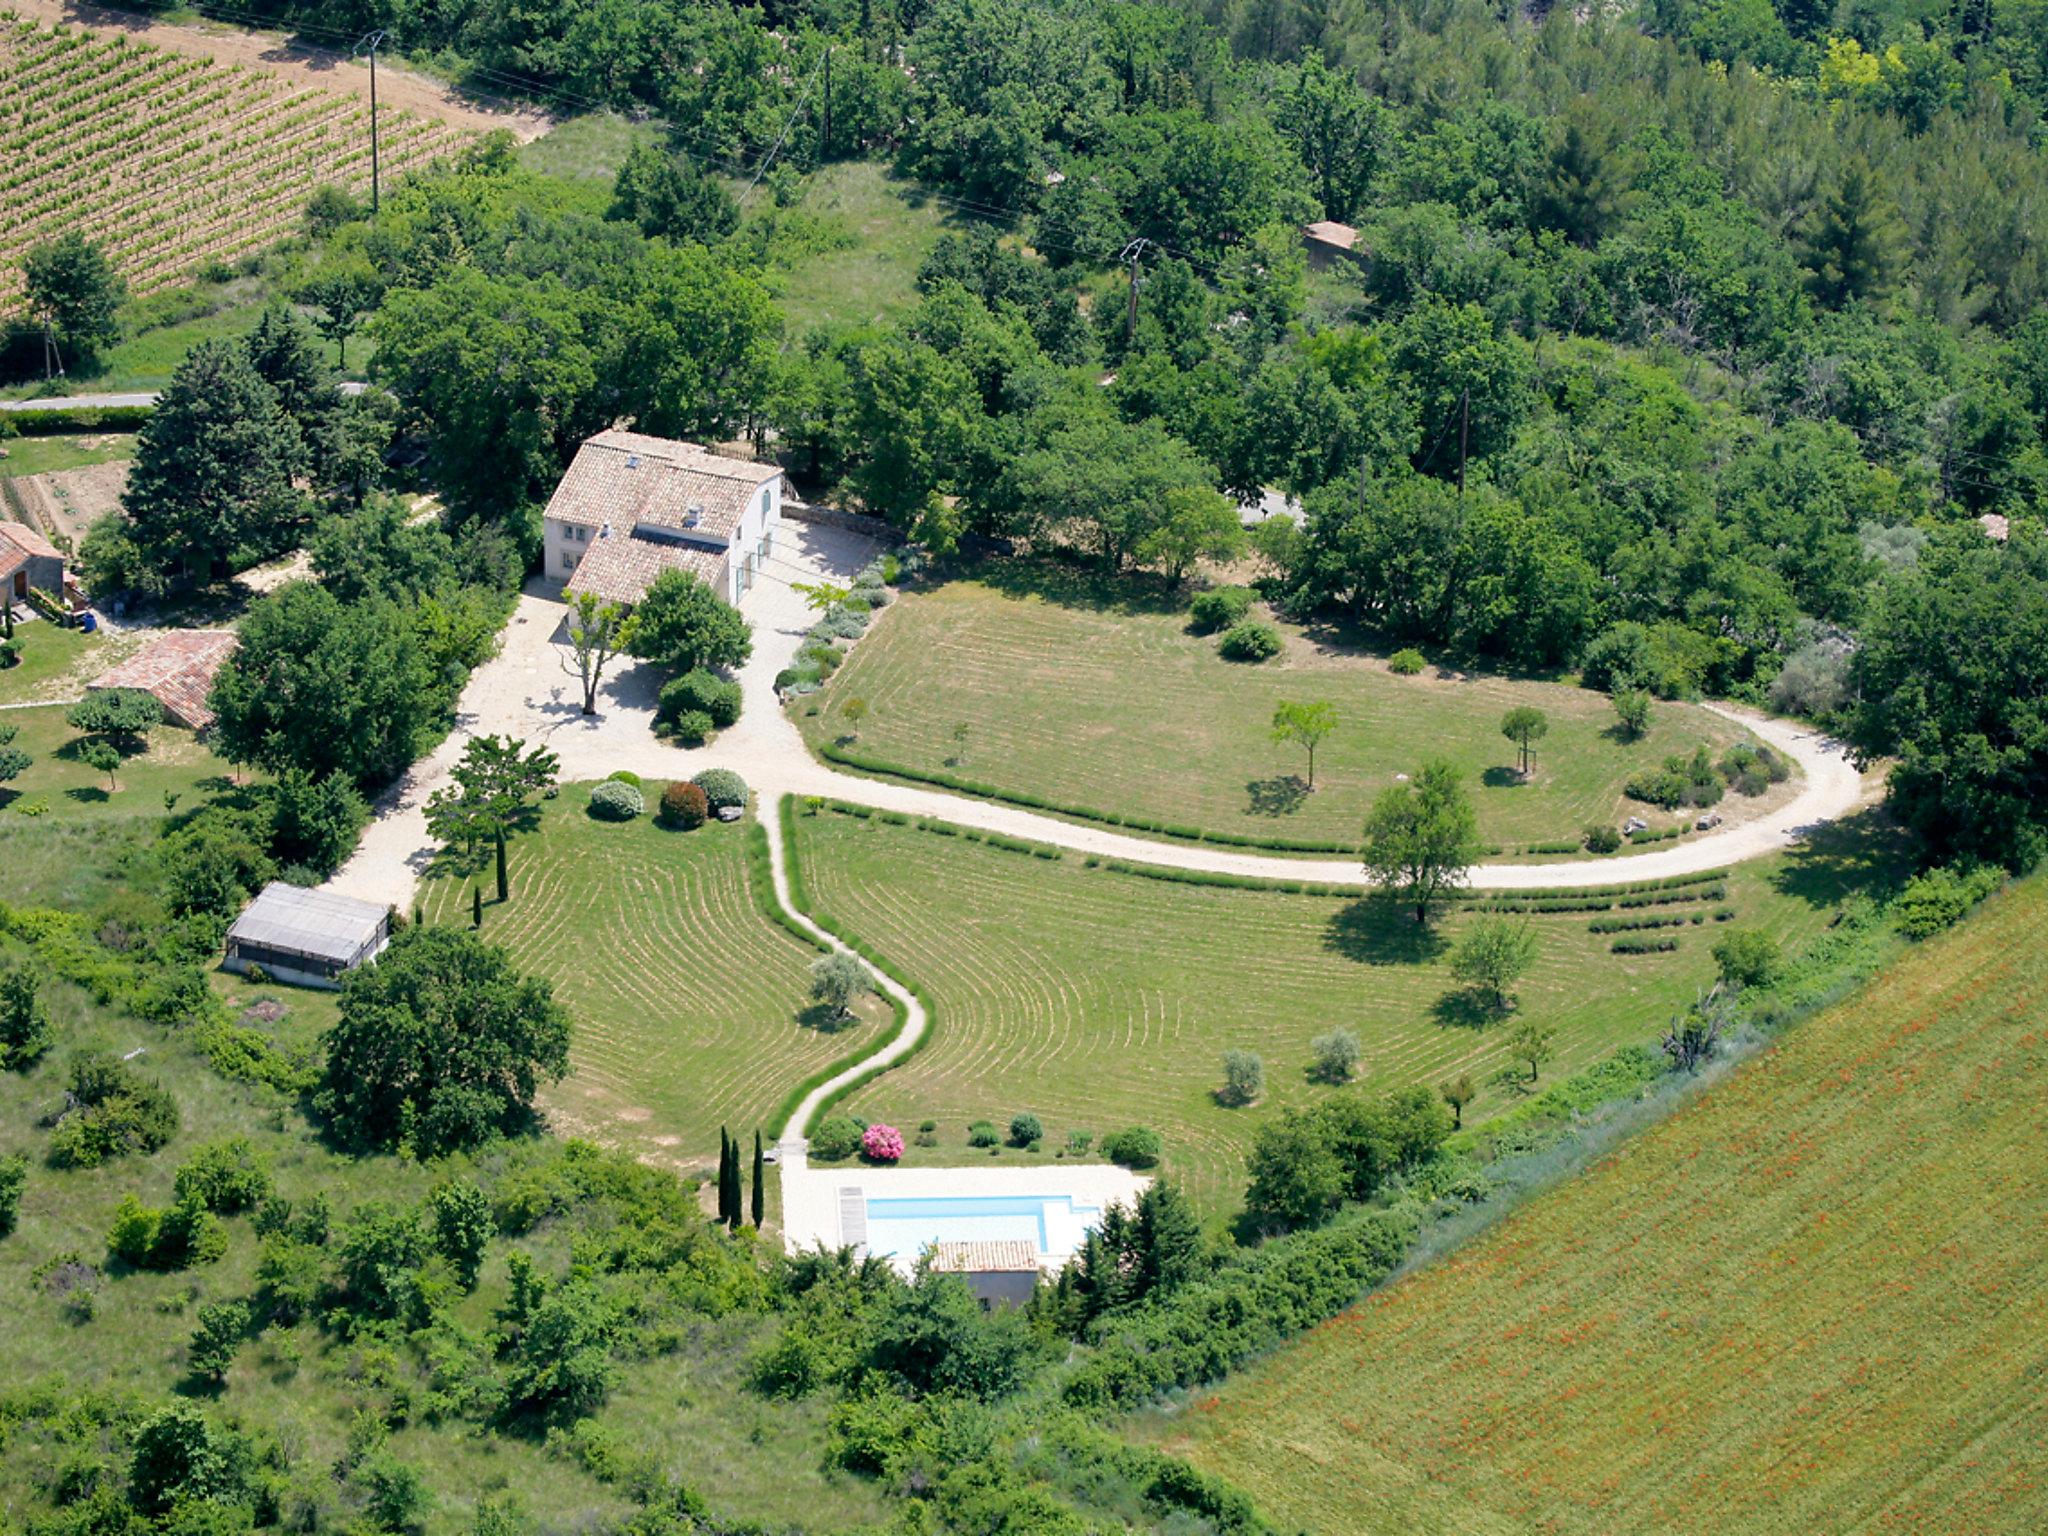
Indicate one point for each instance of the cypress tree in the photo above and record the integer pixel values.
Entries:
(734, 1201)
(760, 1198)
(476, 906)
(724, 1173)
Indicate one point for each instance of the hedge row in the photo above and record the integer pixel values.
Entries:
(1666, 898)
(1625, 924)
(1642, 946)
(57, 420)
(1199, 1333)
(761, 877)
(1624, 888)
(1172, 876)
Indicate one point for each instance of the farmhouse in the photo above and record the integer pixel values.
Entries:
(306, 937)
(30, 561)
(178, 669)
(633, 506)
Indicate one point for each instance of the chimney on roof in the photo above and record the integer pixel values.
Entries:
(632, 461)
(693, 515)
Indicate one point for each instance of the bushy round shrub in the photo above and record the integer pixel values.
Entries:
(982, 1134)
(1252, 640)
(874, 594)
(702, 691)
(820, 655)
(693, 727)
(616, 801)
(1025, 1129)
(624, 776)
(1211, 611)
(1135, 1148)
(722, 787)
(839, 1136)
(881, 1143)
(1407, 661)
(683, 805)
(1602, 838)
(841, 623)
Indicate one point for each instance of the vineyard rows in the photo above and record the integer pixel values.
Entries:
(171, 162)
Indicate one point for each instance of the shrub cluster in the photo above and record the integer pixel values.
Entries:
(837, 1137)
(1137, 1147)
(616, 801)
(113, 1112)
(982, 1133)
(1642, 946)
(1938, 899)
(1406, 662)
(723, 789)
(1602, 838)
(1220, 609)
(1252, 640)
(1629, 924)
(701, 693)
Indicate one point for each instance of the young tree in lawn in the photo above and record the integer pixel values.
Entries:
(496, 795)
(1305, 726)
(1632, 712)
(1457, 1093)
(101, 757)
(1525, 725)
(853, 711)
(1492, 956)
(1336, 1056)
(13, 761)
(1534, 1041)
(598, 631)
(684, 625)
(1244, 1077)
(1422, 838)
(69, 285)
(760, 1191)
(837, 979)
(440, 1046)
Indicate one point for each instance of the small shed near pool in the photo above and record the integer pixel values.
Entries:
(1000, 1274)
(309, 938)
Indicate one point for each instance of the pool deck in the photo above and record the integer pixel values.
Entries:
(818, 1203)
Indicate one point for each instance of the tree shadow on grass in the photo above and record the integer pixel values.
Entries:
(826, 1019)
(1281, 795)
(88, 794)
(1378, 931)
(1499, 777)
(1091, 586)
(1867, 853)
(1466, 1008)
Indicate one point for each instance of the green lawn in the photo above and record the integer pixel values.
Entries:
(691, 1009)
(57, 663)
(1810, 1301)
(1098, 1000)
(684, 1402)
(883, 228)
(41, 455)
(589, 148)
(1088, 693)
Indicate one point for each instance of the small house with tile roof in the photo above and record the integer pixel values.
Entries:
(633, 506)
(27, 559)
(1000, 1272)
(177, 668)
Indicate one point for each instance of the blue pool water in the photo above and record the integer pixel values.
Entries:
(1053, 1223)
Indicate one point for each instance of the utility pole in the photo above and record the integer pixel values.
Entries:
(1464, 436)
(1132, 254)
(825, 133)
(370, 45)
(53, 360)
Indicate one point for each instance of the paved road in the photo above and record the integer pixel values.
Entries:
(106, 402)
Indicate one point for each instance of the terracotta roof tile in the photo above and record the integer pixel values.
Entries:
(620, 567)
(29, 541)
(178, 668)
(1330, 232)
(1004, 1256)
(629, 479)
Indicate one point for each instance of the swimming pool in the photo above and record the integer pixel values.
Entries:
(1054, 1224)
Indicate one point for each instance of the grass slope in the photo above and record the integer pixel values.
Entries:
(690, 1007)
(1814, 1300)
(1098, 1000)
(685, 1404)
(1069, 693)
(876, 232)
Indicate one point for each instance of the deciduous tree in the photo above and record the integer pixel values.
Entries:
(1422, 838)
(682, 625)
(598, 631)
(496, 795)
(1525, 725)
(1305, 725)
(71, 287)
(1492, 956)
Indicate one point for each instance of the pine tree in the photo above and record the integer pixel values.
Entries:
(1854, 239)
(760, 1192)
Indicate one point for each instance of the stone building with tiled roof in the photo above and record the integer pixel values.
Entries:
(27, 559)
(1001, 1272)
(633, 506)
(177, 668)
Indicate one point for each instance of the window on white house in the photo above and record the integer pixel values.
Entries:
(764, 503)
(568, 560)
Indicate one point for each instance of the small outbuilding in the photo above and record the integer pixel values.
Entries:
(1000, 1274)
(308, 938)
(1327, 242)
(177, 668)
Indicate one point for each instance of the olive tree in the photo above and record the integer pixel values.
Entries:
(837, 980)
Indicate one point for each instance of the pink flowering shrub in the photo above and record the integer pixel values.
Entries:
(882, 1143)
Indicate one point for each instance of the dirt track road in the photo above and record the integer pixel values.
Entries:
(274, 54)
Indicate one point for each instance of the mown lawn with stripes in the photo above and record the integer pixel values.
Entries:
(1814, 1300)
(1099, 1000)
(690, 1008)
(1090, 697)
